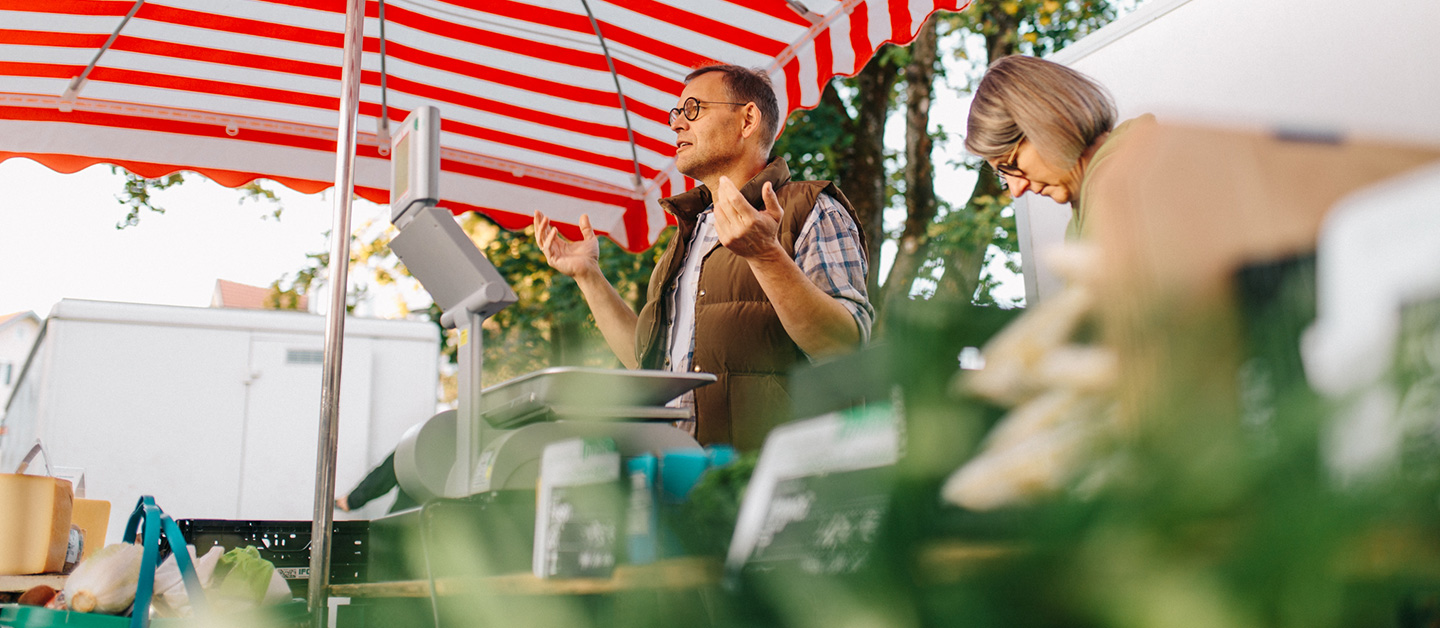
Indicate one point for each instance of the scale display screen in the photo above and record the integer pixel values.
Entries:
(400, 170)
(415, 165)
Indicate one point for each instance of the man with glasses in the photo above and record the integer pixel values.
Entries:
(764, 271)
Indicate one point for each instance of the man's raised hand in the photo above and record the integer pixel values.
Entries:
(746, 232)
(571, 258)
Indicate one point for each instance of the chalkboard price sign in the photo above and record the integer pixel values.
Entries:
(820, 492)
(579, 509)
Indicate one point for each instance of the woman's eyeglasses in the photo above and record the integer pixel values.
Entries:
(1007, 167)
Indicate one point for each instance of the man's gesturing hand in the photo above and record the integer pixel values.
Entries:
(746, 232)
(570, 258)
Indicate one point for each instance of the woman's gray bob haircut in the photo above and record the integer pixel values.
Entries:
(1060, 110)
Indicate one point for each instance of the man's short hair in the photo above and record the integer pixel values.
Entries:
(748, 85)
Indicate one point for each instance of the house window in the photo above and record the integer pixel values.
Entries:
(5, 369)
(304, 356)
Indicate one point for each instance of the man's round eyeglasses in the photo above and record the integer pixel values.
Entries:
(691, 108)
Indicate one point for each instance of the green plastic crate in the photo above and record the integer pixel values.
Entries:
(16, 616)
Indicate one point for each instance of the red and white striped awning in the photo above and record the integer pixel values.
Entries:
(539, 111)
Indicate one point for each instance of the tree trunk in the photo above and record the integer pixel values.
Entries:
(919, 170)
(863, 175)
(964, 267)
(567, 342)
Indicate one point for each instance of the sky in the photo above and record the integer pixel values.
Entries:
(59, 239)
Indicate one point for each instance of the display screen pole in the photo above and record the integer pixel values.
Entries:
(468, 422)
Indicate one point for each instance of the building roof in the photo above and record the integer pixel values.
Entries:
(235, 295)
(282, 321)
(7, 319)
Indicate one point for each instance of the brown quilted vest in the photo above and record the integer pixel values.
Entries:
(738, 336)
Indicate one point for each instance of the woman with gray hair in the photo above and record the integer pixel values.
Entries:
(1044, 128)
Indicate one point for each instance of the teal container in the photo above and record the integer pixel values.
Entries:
(720, 455)
(680, 470)
(642, 521)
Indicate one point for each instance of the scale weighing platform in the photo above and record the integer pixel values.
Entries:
(523, 415)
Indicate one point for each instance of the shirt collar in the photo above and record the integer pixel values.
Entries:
(688, 205)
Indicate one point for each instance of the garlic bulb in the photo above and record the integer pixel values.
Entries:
(105, 582)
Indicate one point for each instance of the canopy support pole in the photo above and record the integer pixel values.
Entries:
(339, 267)
(67, 100)
(619, 92)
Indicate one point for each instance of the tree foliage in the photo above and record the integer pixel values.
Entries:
(943, 247)
(136, 194)
(550, 325)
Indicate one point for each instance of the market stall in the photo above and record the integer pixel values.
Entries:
(1176, 478)
(554, 107)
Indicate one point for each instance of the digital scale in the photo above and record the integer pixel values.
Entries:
(494, 439)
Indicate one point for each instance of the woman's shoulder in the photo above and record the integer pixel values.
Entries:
(1122, 135)
(1144, 119)
(1115, 163)
(1126, 130)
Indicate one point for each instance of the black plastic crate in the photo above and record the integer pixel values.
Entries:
(286, 544)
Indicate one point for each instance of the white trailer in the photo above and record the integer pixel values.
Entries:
(1316, 66)
(214, 411)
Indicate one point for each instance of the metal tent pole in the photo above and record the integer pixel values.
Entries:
(335, 318)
